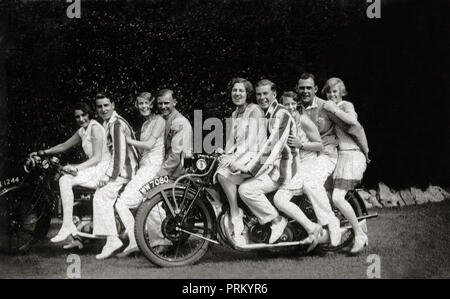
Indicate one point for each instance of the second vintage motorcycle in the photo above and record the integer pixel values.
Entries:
(180, 219)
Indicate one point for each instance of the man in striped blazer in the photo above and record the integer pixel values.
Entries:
(272, 166)
(122, 167)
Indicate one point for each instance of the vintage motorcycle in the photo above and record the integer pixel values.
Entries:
(33, 199)
(180, 219)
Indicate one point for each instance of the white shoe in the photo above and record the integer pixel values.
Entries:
(64, 233)
(361, 241)
(109, 249)
(277, 230)
(335, 232)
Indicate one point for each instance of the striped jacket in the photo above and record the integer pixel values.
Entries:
(275, 155)
(124, 157)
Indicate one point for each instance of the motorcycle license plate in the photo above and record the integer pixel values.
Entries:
(153, 183)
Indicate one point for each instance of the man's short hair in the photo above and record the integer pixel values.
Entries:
(306, 76)
(102, 95)
(267, 82)
(289, 94)
(165, 91)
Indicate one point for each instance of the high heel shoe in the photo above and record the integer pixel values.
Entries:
(361, 241)
(63, 234)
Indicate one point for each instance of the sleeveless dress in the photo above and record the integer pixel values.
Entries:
(246, 138)
(149, 164)
(93, 173)
(351, 162)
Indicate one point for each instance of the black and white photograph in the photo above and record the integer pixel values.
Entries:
(242, 141)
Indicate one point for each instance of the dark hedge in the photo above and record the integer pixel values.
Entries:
(395, 68)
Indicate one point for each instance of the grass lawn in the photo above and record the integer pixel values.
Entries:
(411, 242)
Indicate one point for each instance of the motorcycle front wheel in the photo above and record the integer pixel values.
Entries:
(171, 241)
(26, 219)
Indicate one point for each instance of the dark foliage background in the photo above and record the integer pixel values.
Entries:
(396, 68)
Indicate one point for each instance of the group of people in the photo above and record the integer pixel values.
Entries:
(306, 139)
(117, 158)
(290, 147)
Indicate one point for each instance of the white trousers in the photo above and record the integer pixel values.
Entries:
(313, 187)
(253, 192)
(87, 178)
(131, 198)
(104, 199)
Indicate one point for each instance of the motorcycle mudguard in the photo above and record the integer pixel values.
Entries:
(6, 190)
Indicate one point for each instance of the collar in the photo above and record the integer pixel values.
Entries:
(112, 119)
(172, 115)
(312, 106)
(272, 107)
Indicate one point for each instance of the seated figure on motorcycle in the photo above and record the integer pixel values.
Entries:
(92, 137)
(353, 155)
(247, 136)
(163, 137)
(308, 143)
(271, 167)
(120, 170)
(151, 144)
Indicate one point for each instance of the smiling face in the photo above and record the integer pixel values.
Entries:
(290, 104)
(166, 104)
(105, 108)
(82, 118)
(334, 93)
(265, 96)
(239, 94)
(306, 89)
(144, 106)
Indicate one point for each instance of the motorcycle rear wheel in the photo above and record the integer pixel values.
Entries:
(153, 218)
(26, 220)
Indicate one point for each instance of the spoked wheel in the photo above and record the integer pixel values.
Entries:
(349, 235)
(171, 241)
(26, 221)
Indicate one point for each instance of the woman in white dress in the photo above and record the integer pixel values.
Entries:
(152, 145)
(248, 134)
(92, 137)
(351, 162)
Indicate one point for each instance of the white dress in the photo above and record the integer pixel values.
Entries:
(149, 164)
(90, 176)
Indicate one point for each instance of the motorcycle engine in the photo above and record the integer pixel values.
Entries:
(261, 233)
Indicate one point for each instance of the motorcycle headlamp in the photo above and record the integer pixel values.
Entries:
(201, 164)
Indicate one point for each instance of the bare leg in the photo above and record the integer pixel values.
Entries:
(231, 192)
(346, 209)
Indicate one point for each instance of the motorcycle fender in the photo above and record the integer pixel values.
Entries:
(361, 202)
(6, 190)
(166, 187)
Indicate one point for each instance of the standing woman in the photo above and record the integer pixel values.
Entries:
(351, 162)
(152, 145)
(92, 137)
(248, 134)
